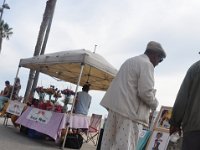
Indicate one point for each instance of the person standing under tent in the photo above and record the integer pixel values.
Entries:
(83, 101)
(129, 99)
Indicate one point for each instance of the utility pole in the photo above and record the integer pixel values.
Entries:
(4, 6)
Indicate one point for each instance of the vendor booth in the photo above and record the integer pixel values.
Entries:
(74, 66)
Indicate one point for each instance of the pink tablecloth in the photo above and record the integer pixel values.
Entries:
(57, 122)
(52, 128)
(75, 121)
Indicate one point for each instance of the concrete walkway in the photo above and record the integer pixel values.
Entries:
(12, 139)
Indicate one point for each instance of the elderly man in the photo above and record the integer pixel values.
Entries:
(130, 98)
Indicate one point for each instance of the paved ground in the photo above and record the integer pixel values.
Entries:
(12, 139)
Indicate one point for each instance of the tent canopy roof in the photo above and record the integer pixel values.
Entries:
(66, 65)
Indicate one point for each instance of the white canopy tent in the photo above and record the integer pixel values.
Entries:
(75, 66)
(66, 65)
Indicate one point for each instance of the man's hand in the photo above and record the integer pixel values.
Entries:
(174, 129)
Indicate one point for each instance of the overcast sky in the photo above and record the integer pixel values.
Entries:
(121, 29)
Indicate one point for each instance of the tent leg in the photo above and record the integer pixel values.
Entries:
(77, 85)
(78, 82)
(64, 140)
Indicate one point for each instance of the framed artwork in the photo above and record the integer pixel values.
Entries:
(162, 120)
(143, 139)
(158, 141)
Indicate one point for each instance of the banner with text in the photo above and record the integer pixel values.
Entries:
(39, 115)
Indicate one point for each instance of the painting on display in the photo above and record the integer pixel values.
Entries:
(158, 141)
(162, 120)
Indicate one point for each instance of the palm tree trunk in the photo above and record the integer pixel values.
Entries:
(44, 43)
(47, 18)
(29, 84)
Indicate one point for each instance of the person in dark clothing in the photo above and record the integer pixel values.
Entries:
(186, 113)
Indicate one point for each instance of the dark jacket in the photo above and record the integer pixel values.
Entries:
(186, 109)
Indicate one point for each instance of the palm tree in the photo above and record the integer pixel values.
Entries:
(40, 45)
(5, 32)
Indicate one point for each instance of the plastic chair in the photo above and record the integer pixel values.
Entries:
(92, 134)
(6, 117)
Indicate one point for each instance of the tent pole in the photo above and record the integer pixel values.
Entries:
(14, 83)
(77, 85)
(73, 103)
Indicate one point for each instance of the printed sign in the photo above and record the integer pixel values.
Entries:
(15, 108)
(39, 115)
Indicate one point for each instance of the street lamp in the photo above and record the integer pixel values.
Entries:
(4, 6)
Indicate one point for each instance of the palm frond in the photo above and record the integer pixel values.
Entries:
(5, 30)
